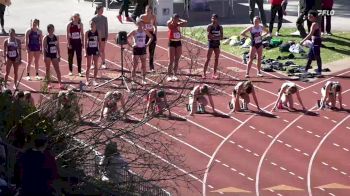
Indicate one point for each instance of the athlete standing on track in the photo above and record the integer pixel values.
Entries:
(13, 57)
(315, 49)
(175, 46)
(75, 37)
(33, 42)
(102, 28)
(197, 97)
(92, 40)
(242, 90)
(285, 96)
(52, 54)
(257, 32)
(150, 21)
(215, 34)
(139, 48)
(329, 93)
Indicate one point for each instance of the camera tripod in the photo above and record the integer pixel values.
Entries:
(122, 77)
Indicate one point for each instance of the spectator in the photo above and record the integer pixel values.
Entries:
(276, 7)
(260, 4)
(124, 8)
(102, 30)
(115, 166)
(3, 5)
(140, 7)
(327, 5)
(38, 169)
(305, 6)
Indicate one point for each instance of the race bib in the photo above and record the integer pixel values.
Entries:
(92, 44)
(149, 26)
(216, 33)
(76, 35)
(257, 39)
(12, 53)
(177, 35)
(53, 49)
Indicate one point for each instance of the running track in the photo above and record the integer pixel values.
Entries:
(290, 154)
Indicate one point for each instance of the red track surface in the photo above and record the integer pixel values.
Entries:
(247, 152)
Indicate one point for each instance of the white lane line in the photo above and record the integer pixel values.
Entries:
(325, 163)
(252, 127)
(301, 178)
(262, 132)
(280, 141)
(335, 144)
(240, 146)
(270, 136)
(248, 150)
(306, 154)
(232, 142)
(348, 128)
(299, 127)
(344, 173)
(292, 173)
(225, 165)
(296, 149)
(317, 136)
(273, 163)
(309, 132)
(256, 155)
(288, 145)
(251, 179)
(334, 168)
(285, 120)
(210, 186)
(315, 92)
(309, 170)
(334, 121)
(326, 117)
(331, 194)
(347, 150)
(282, 168)
(242, 174)
(217, 161)
(233, 169)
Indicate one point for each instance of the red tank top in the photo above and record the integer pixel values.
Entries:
(74, 31)
(174, 33)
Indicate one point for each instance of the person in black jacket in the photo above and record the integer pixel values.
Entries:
(304, 7)
(260, 4)
(140, 8)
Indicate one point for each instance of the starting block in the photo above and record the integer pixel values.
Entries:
(200, 109)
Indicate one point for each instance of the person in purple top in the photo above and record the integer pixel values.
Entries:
(33, 42)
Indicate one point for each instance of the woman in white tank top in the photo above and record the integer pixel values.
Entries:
(139, 48)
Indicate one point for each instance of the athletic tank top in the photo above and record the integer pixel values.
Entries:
(34, 39)
(140, 39)
(174, 33)
(12, 48)
(317, 37)
(215, 31)
(51, 45)
(287, 84)
(74, 31)
(92, 39)
(256, 35)
(149, 25)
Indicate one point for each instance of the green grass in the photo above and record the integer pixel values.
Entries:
(339, 40)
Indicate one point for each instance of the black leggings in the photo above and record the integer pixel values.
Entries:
(78, 50)
(2, 12)
(279, 10)
(124, 8)
(151, 49)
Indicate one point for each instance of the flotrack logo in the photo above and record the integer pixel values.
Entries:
(326, 12)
